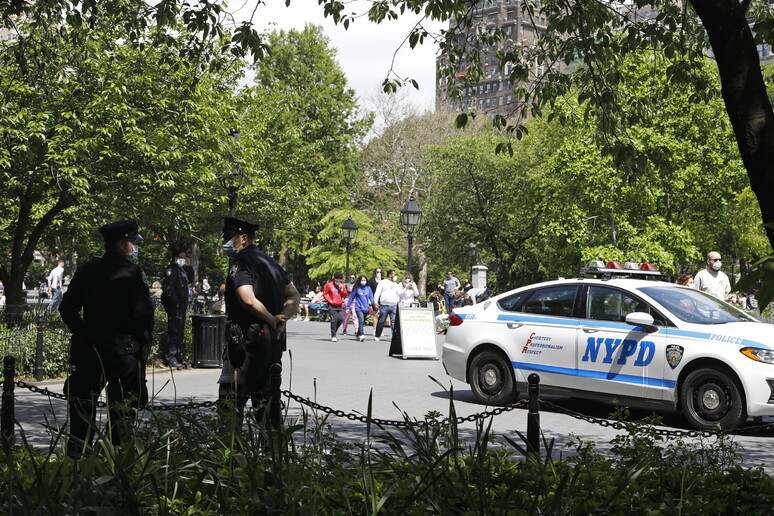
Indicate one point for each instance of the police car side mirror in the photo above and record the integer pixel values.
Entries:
(642, 319)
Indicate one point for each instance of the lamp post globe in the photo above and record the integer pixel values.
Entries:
(410, 216)
(348, 233)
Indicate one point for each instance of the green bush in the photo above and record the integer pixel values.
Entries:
(184, 463)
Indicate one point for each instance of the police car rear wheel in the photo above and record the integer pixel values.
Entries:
(712, 398)
(491, 379)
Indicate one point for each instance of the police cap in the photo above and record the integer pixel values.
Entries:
(233, 226)
(116, 231)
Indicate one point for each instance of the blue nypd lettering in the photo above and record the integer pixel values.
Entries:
(628, 348)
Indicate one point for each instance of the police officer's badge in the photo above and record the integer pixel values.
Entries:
(674, 354)
(233, 270)
(169, 272)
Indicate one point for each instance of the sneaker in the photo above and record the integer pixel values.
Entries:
(361, 338)
(334, 339)
(376, 339)
(186, 364)
(306, 318)
(344, 332)
(174, 364)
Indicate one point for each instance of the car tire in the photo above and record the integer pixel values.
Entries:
(712, 398)
(491, 379)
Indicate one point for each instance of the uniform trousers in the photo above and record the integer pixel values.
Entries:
(175, 328)
(100, 360)
(251, 381)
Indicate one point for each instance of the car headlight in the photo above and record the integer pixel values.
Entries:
(759, 355)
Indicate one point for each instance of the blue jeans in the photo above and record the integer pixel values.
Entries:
(449, 302)
(56, 298)
(361, 322)
(384, 311)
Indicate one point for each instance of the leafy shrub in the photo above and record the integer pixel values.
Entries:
(186, 463)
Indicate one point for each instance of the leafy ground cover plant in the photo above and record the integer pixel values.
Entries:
(186, 462)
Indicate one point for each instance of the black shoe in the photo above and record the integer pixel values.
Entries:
(186, 364)
(174, 364)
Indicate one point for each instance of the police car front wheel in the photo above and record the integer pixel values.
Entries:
(712, 398)
(491, 378)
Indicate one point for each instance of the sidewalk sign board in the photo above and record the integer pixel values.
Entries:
(413, 333)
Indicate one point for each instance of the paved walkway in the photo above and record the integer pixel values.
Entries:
(342, 375)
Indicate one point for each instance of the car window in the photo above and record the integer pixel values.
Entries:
(694, 306)
(511, 303)
(608, 304)
(556, 300)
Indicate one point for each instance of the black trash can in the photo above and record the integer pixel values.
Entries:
(209, 337)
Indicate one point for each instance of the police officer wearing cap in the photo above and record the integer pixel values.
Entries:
(259, 301)
(108, 309)
(174, 297)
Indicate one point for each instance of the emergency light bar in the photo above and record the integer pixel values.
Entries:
(597, 268)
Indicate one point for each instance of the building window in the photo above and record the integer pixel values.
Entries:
(501, 100)
(508, 100)
(488, 102)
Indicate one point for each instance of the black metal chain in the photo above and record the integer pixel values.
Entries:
(405, 423)
(17, 334)
(619, 425)
(616, 425)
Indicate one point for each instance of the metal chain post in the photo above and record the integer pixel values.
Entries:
(7, 410)
(275, 408)
(39, 350)
(533, 416)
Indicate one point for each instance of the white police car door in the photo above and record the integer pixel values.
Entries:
(541, 334)
(613, 356)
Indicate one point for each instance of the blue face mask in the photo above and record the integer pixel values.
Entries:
(229, 249)
(180, 261)
(135, 252)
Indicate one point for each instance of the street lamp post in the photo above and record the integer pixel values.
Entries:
(348, 233)
(236, 174)
(410, 216)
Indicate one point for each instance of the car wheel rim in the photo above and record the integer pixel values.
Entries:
(491, 380)
(712, 400)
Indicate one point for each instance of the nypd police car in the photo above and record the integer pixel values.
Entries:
(617, 334)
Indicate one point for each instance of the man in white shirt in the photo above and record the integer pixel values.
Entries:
(386, 301)
(55, 287)
(712, 280)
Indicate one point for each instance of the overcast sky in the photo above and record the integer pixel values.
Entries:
(365, 50)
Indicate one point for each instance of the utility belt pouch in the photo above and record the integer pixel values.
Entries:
(275, 339)
(235, 344)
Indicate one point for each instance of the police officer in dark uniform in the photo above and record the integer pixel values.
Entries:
(108, 309)
(174, 297)
(259, 301)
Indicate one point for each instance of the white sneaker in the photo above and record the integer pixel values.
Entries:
(334, 339)
(361, 338)
(306, 319)
(376, 339)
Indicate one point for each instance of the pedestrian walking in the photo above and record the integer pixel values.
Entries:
(361, 300)
(386, 300)
(335, 292)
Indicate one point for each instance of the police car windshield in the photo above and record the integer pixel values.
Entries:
(694, 306)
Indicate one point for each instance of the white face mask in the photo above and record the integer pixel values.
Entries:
(363, 283)
(717, 265)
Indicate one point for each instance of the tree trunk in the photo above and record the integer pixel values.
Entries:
(744, 94)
